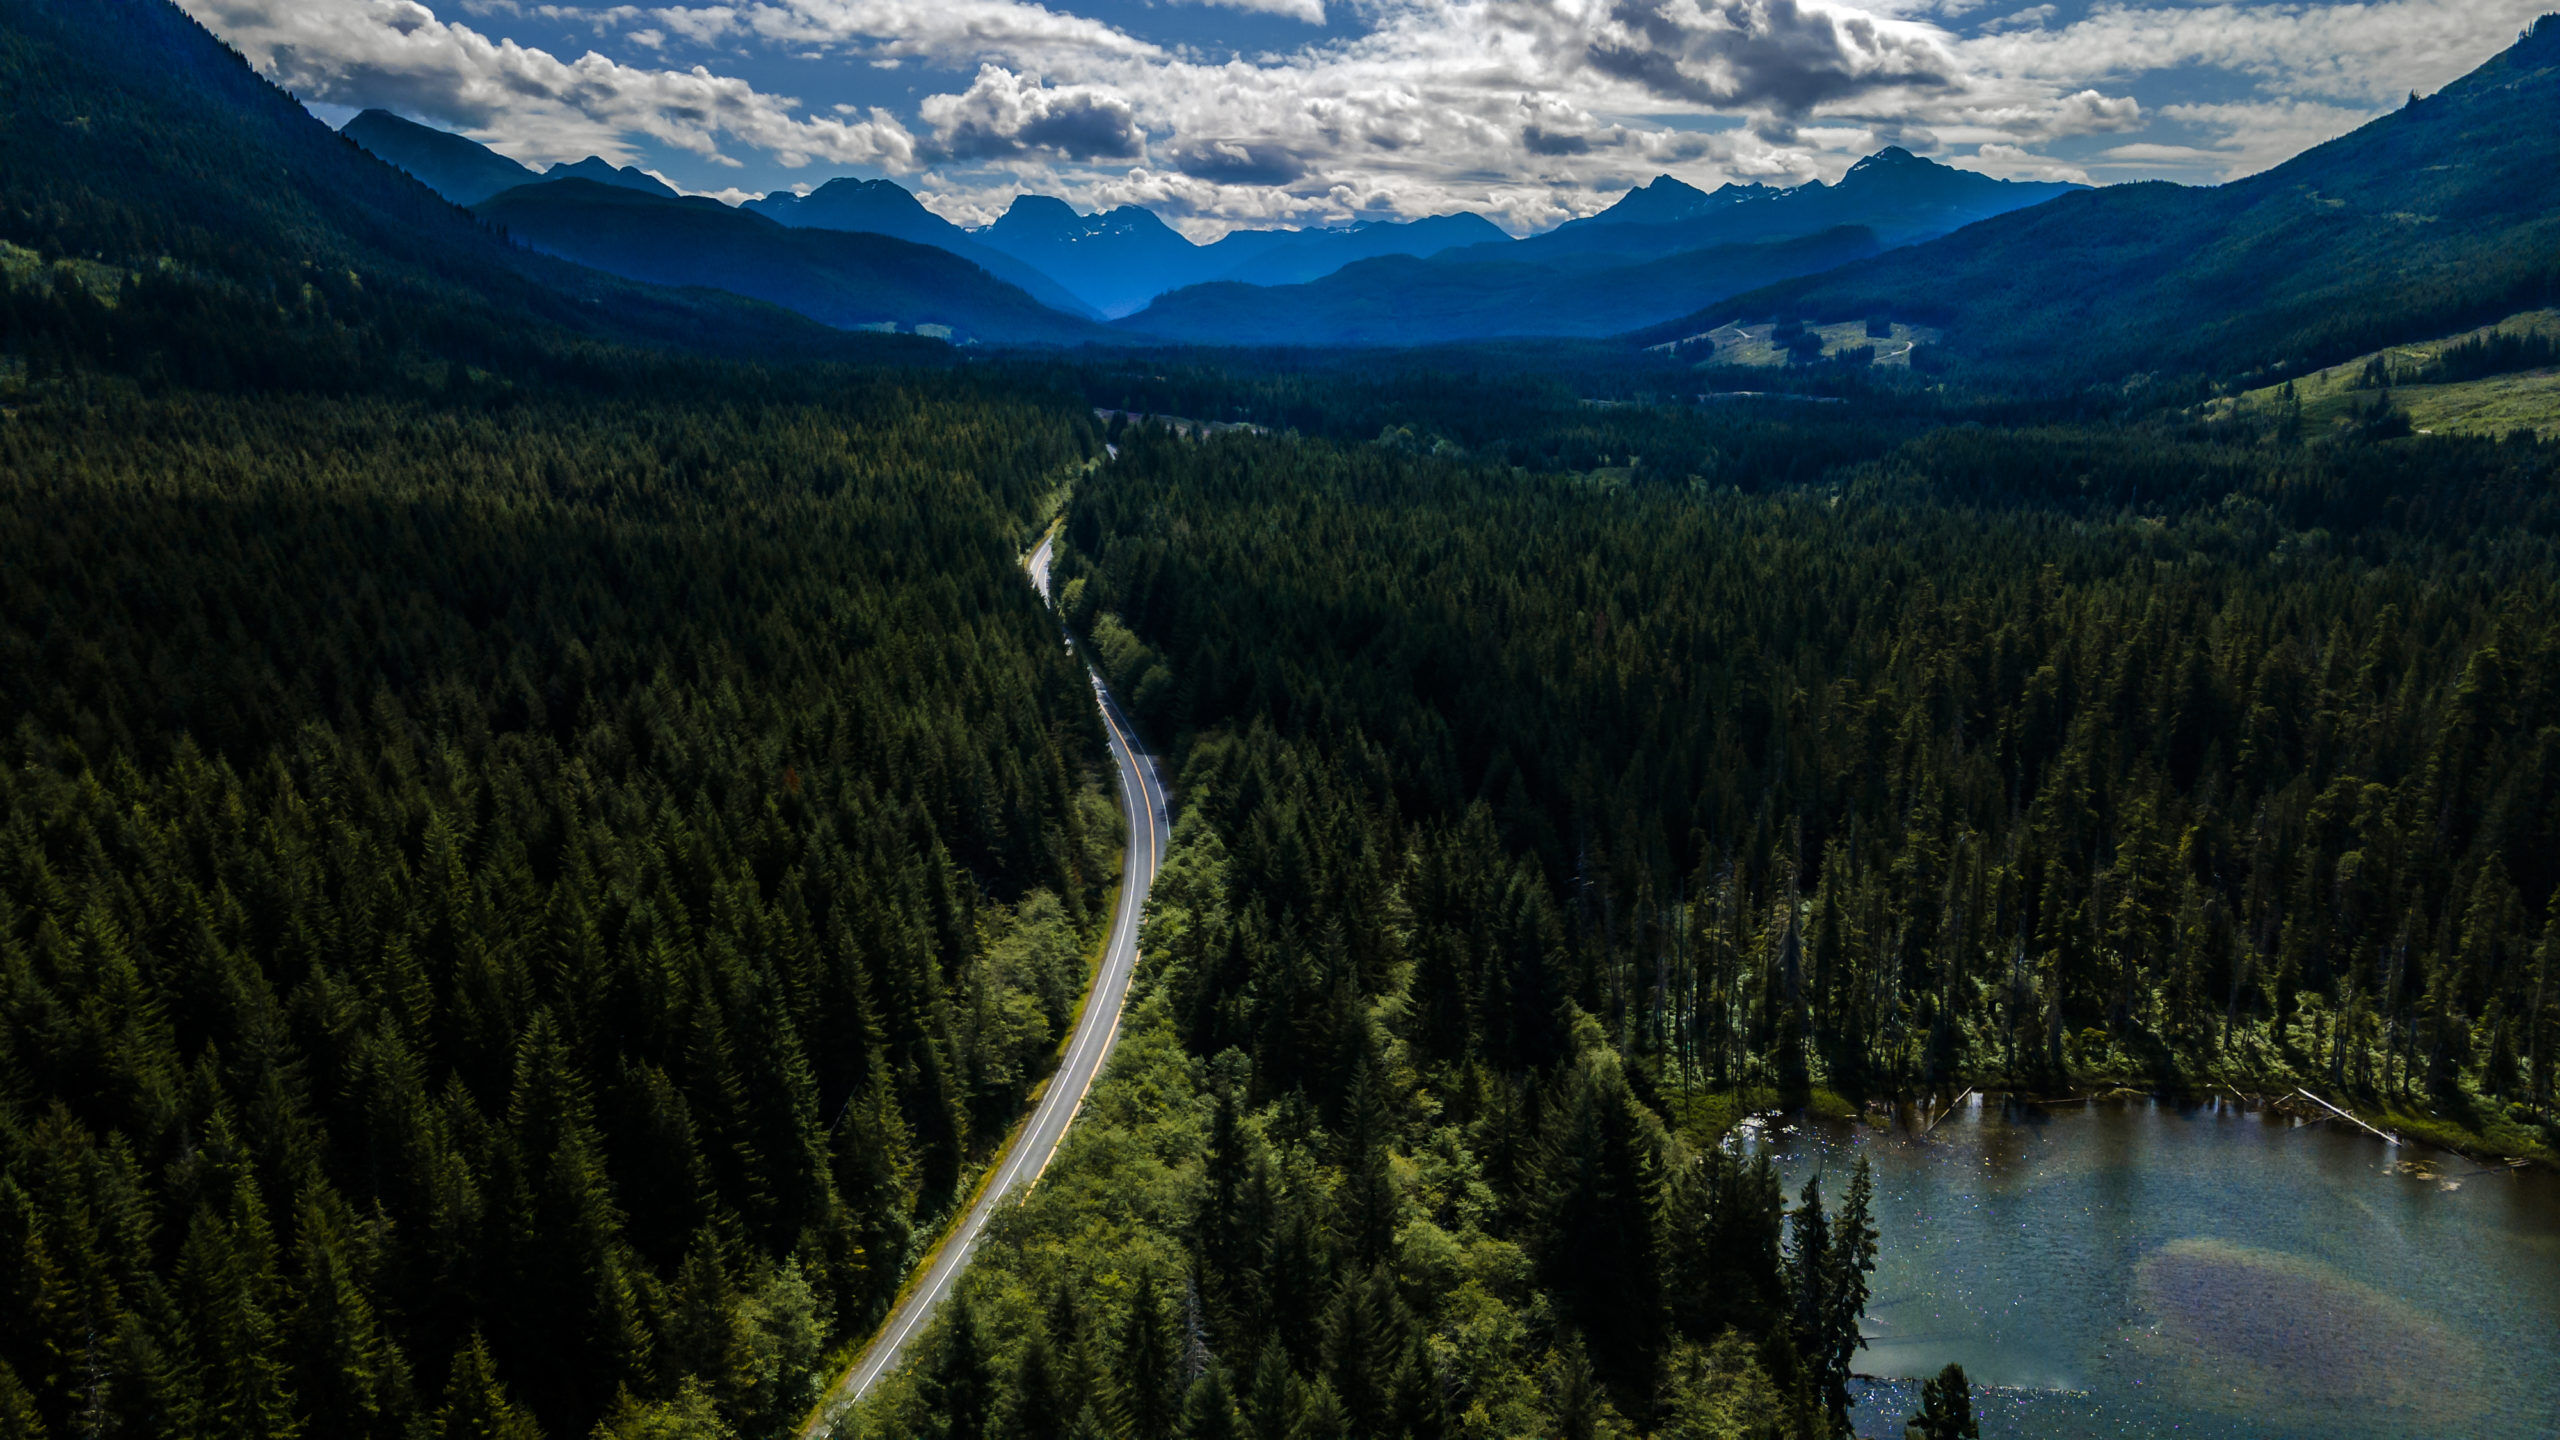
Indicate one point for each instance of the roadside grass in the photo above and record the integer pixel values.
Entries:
(832, 1408)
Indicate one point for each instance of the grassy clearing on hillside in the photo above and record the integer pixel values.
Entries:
(22, 266)
(2528, 400)
(2496, 406)
(1757, 345)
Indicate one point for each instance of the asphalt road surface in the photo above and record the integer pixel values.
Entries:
(1150, 832)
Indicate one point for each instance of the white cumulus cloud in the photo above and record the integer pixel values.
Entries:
(398, 54)
(1527, 111)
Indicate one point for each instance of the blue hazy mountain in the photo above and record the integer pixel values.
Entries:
(1293, 257)
(1117, 260)
(467, 172)
(1664, 249)
(1121, 259)
(2438, 216)
(815, 281)
(1899, 196)
(884, 207)
(842, 278)
(456, 167)
(605, 172)
(1481, 294)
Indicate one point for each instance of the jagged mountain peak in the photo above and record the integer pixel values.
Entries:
(1893, 157)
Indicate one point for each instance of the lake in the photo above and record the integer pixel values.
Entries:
(2141, 1268)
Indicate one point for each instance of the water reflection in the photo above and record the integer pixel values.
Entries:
(2141, 1269)
(2250, 1332)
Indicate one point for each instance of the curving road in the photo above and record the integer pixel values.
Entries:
(1142, 805)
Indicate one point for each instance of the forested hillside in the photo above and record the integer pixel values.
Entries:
(2428, 220)
(512, 916)
(217, 235)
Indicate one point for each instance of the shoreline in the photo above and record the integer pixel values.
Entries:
(2406, 1130)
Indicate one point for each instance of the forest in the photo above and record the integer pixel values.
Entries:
(545, 841)
(515, 917)
(529, 897)
(2165, 749)
(1558, 782)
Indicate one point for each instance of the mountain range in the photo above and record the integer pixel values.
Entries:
(626, 222)
(847, 279)
(1087, 266)
(2432, 218)
(139, 142)
(1482, 293)
(1664, 246)
(2435, 217)
(882, 207)
(467, 172)
(1121, 259)
(1899, 196)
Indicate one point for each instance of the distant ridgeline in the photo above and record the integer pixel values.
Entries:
(1663, 249)
(2429, 220)
(225, 238)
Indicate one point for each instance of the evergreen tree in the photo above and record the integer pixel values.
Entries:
(690, 1415)
(1577, 1406)
(1946, 1409)
(1842, 1305)
(1145, 1375)
(1322, 1416)
(18, 1417)
(1812, 1272)
(1209, 1412)
(962, 1388)
(1232, 1221)
(1272, 1403)
(476, 1405)
(1597, 1218)
(1035, 1405)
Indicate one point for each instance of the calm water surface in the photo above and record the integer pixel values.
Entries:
(2138, 1269)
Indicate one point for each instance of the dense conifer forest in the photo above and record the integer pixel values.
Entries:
(1544, 807)
(538, 864)
(2162, 749)
(513, 916)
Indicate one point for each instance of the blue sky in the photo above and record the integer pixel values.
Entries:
(1299, 112)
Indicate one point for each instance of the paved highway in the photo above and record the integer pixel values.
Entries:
(1150, 832)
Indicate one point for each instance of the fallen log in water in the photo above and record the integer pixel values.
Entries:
(2384, 1135)
(1950, 1110)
